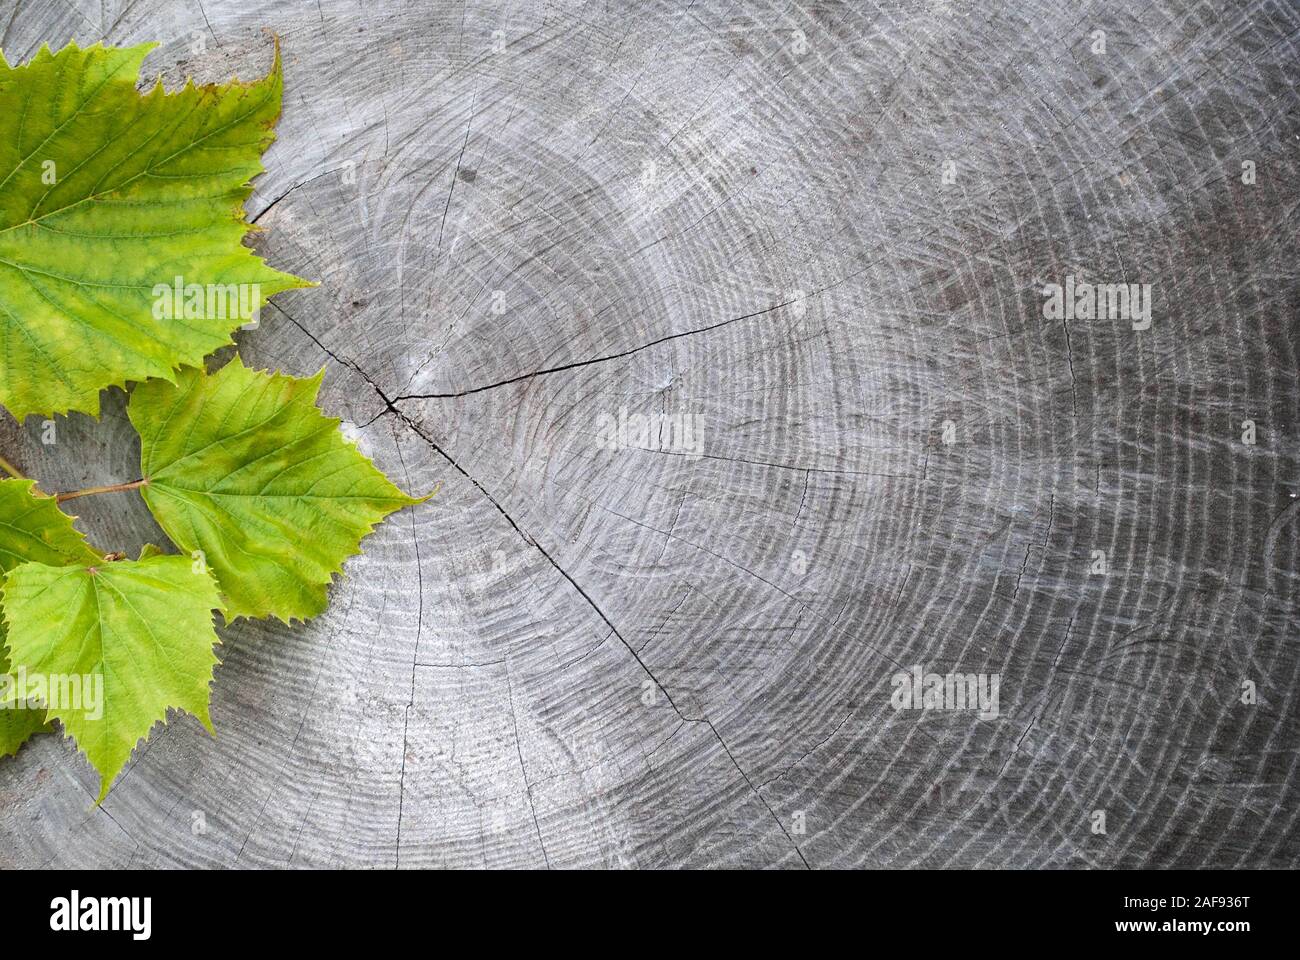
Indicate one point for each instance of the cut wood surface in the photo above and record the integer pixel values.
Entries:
(804, 246)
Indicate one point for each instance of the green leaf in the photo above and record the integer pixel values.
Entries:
(107, 196)
(17, 724)
(242, 466)
(34, 528)
(135, 637)
(31, 528)
(17, 721)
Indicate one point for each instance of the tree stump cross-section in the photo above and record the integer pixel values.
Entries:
(732, 335)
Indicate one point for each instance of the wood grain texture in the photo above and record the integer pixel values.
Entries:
(529, 215)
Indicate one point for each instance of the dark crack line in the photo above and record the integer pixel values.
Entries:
(634, 350)
(342, 361)
(802, 497)
(461, 666)
(209, 23)
(676, 730)
(267, 209)
(586, 363)
(388, 408)
(609, 623)
(415, 658)
(808, 753)
(256, 823)
(776, 466)
(523, 768)
(1047, 536)
(433, 444)
(1069, 359)
(469, 125)
(401, 785)
(742, 772)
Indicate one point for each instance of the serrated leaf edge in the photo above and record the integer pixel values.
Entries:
(240, 214)
(106, 783)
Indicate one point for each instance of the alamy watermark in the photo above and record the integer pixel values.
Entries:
(919, 690)
(1080, 300)
(75, 913)
(64, 692)
(679, 433)
(179, 300)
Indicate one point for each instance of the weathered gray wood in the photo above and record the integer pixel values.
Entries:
(576, 656)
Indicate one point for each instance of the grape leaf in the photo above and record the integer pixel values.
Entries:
(34, 528)
(31, 528)
(107, 198)
(241, 465)
(135, 636)
(17, 723)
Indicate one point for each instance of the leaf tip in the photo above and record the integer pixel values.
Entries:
(277, 64)
(414, 501)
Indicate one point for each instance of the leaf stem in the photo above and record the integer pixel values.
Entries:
(10, 469)
(110, 488)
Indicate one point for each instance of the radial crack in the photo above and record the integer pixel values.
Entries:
(586, 363)
(433, 444)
